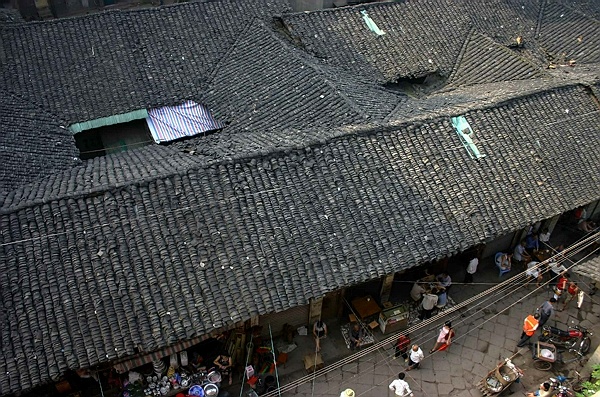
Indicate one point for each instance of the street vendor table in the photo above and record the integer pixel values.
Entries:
(365, 307)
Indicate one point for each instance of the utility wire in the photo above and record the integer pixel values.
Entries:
(576, 248)
(484, 322)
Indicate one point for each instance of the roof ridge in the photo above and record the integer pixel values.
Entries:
(213, 73)
(317, 140)
(59, 121)
(461, 54)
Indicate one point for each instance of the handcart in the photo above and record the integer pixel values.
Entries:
(500, 378)
(544, 355)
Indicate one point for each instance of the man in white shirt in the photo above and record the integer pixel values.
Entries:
(416, 293)
(415, 357)
(400, 386)
(471, 269)
(428, 303)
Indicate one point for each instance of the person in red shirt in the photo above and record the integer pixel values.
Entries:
(561, 285)
(402, 346)
(572, 291)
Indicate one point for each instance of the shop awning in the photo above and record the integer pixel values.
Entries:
(142, 359)
(173, 122)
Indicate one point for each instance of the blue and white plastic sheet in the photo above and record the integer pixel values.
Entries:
(173, 122)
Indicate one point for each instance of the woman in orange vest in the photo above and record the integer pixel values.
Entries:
(530, 324)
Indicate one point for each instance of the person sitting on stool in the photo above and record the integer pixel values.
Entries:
(356, 336)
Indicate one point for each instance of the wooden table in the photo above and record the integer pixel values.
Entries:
(365, 307)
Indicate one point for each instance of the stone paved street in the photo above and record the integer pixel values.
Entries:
(486, 332)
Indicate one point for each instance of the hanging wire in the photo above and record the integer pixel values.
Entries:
(275, 361)
(100, 384)
(249, 347)
(508, 287)
(572, 250)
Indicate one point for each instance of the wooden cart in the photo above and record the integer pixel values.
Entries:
(500, 378)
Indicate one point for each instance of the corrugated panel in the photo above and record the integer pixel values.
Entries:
(173, 122)
(110, 120)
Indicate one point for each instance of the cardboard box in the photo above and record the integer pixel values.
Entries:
(313, 362)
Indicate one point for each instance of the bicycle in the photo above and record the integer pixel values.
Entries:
(575, 383)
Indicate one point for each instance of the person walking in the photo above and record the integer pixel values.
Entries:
(444, 338)
(572, 291)
(530, 325)
(401, 347)
(319, 332)
(471, 269)
(415, 357)
(400, 387)
(561, 286)
(546, 310)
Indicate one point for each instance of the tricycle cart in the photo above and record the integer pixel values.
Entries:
(544, 355)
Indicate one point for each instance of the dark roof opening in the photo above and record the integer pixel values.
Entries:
(417, 86)
(114, 138)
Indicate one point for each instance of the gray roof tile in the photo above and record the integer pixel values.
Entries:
(147, 263)
(32, 143)
(421, 38)
(119, 61)
(566, 34)
(485, 61)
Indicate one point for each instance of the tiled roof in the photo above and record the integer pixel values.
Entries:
(590, 269)
(101, 174)
(421, 37)
(115, 62)
(567, 34)
(590, 8)
(504, 20)
(485, 61)
(88, 277)
(284, 90)
(8, 16)
(32, 144)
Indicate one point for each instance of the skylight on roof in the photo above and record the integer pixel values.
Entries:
(371, 24)
(467, 136)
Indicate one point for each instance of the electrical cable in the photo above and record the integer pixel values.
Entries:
(580, 245)
(249, 348)
(462, 321)
(274, 359)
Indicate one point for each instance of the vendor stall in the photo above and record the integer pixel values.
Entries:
(394, 318)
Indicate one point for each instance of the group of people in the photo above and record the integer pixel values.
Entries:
(565, 290)
(415, 356)
(434, 298)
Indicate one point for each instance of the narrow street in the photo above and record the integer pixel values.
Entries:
(487, 317)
